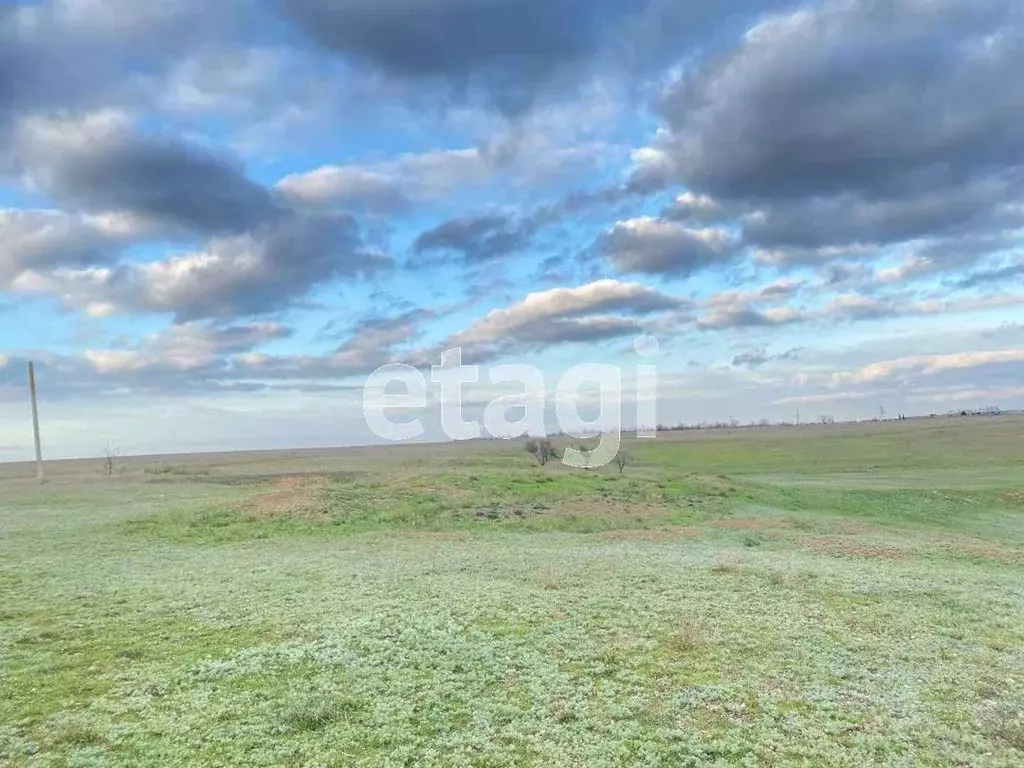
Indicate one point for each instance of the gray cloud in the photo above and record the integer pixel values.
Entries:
(100, 164)
(204, 357)
(43, 240)
(489, 235)
(185, 358)
(478, 238)
(506, 54)
(657, 246)
(755, 358)
(262, 257)
(66, 56)
(374, 341)
(850, 220)
(256, 274)
(259, 272)
(506, 51)
(748, 317)
(933, 102)
(1005, 274)
(919, 141)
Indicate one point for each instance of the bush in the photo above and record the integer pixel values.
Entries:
(623, 460)
(542, 450)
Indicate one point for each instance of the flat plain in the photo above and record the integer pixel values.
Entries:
(820, 596)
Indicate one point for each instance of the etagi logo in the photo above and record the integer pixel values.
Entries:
(531, 404)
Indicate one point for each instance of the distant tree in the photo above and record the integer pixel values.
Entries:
(623, 460)
(110, 456)
(542, 450)
(585, 451)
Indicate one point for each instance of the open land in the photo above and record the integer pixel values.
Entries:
(821, 596)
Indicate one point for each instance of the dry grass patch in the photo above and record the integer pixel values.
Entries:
(974, 547)
(659, 534)
(752, 524)
(464, 536)
(609, 508)
(691, 634)
(298, 496)
(833, 545)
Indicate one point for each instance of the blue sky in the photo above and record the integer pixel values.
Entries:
(216, 221)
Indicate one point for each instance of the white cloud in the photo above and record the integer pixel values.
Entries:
(926, 365)
(532, 318)
(389, 185)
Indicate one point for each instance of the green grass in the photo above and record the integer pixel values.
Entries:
(819, 597)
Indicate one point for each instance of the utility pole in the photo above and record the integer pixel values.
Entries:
(35, 421)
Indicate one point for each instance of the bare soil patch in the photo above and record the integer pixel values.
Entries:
(295, 496)
(949, 544)
(974, 547)
(833, 545)
(608, 508)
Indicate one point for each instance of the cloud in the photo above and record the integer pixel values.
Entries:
(528, 155)
(185, 348)
(510, 56)
(492, 234)
(186, 358)
(985, 276)
(210, 357)
(393, 185)
(373, 341)
(926, 365)
(251, 274)
(850, 220)
(72, 55)
(48, 239)
(690, 207)
(100, 164)
(261, 257)
(932, 103)
(369, 344)
(776, 291)
(502, 52)
(755, 358)
(748, 317)
(350, 188)
(601, 310)
(478, 238)
(918, 142)
(851, 306)
(656, 246)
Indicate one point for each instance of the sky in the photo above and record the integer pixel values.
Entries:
(217, 219)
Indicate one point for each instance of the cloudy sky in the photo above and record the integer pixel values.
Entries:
(217, 218)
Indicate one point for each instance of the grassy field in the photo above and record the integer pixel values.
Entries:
(842, 596)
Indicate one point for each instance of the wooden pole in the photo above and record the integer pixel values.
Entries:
(35, 421)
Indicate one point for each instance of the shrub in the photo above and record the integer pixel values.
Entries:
(623, 460)
(542, 450)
